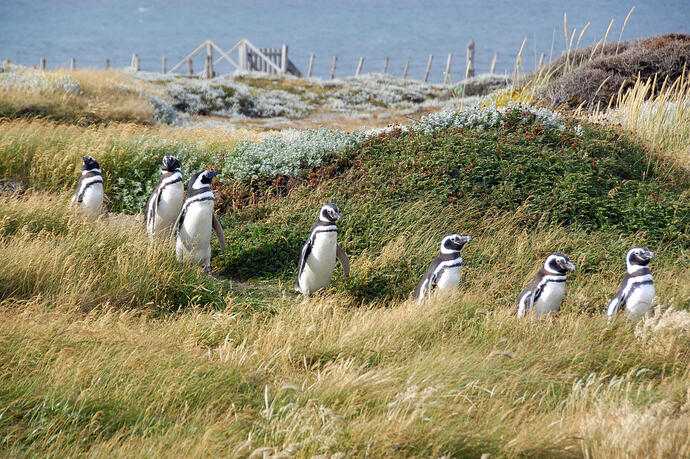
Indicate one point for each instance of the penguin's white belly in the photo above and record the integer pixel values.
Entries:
(449, 279)
(92, 200)
(640, 300)
(169, 206)
(320, 264)
(194, 235)
(550, 298)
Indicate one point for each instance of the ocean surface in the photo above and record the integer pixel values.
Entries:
(93, 30)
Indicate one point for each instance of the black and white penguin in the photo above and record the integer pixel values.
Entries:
(89, 193)
(636, 292)
(445, 270)
(196, 221)
(317, 262)
(165, 203)
(545, 293)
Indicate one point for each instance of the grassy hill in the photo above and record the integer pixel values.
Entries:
(109, 347)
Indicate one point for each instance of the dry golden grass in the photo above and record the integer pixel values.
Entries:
(48, 154)
(106, 95)
(93, 367)
(661, 118)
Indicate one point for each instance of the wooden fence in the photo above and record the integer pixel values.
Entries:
(276, 61)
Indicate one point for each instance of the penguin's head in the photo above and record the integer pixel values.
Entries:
(557, 263)
(638, 257)
(454, 242)
(201, 180)
(89, 163)
(170, 164)
(329, 213)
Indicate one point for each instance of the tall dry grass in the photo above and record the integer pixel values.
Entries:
(661, 118)
(96, 368)
(46, 155)
(106, 95)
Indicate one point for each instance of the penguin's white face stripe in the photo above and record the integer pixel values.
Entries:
(639, 253)
(558, 260)
(91, 171)
(329, 213)
(446, 251)
(198, 184)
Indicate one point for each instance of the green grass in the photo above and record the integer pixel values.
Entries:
(399, 195)
(109, 347)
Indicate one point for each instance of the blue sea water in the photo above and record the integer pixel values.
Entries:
(92, 30)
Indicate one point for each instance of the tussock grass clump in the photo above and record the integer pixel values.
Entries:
(63, 260)
(102, 96)
(662, 118)
(590, 78)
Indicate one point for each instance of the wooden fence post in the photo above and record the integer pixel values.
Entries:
(209, 60)
(446, 74)
(243, 58)
(333, 64)
(407, 66)
(311, 65)
(43, 63)
(493, 62)
(135, 62)
(385, 66)
(428, 68)
(359, 66)
(283, 59)
(106, 64)
(190, 66)
(164, 65)
(73, 64)
(469, 72)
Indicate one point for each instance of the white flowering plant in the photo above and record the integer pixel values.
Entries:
(41, 82)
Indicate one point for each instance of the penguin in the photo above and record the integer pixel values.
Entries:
(636, 292)
(89, 193)
(545, 293)
(317, 261)
(445, 270)
(195, 222)
(165, 203)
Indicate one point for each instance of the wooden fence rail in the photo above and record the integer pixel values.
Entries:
(276, 61)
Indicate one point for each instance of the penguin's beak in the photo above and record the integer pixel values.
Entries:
(336, 216)
(84, 158)
(465, 239)
(648, 255)
(570, 266)
(212, 173)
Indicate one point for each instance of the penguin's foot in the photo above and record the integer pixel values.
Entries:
(207, 270)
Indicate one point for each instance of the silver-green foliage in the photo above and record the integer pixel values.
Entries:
(280, 156)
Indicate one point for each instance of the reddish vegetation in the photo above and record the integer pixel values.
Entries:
(595, 82)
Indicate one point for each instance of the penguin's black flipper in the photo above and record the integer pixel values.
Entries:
(219, 232)
(151, 207)
(342, 256)
(306, 250)
(77, 197)
(617, 303)
(178, 222)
